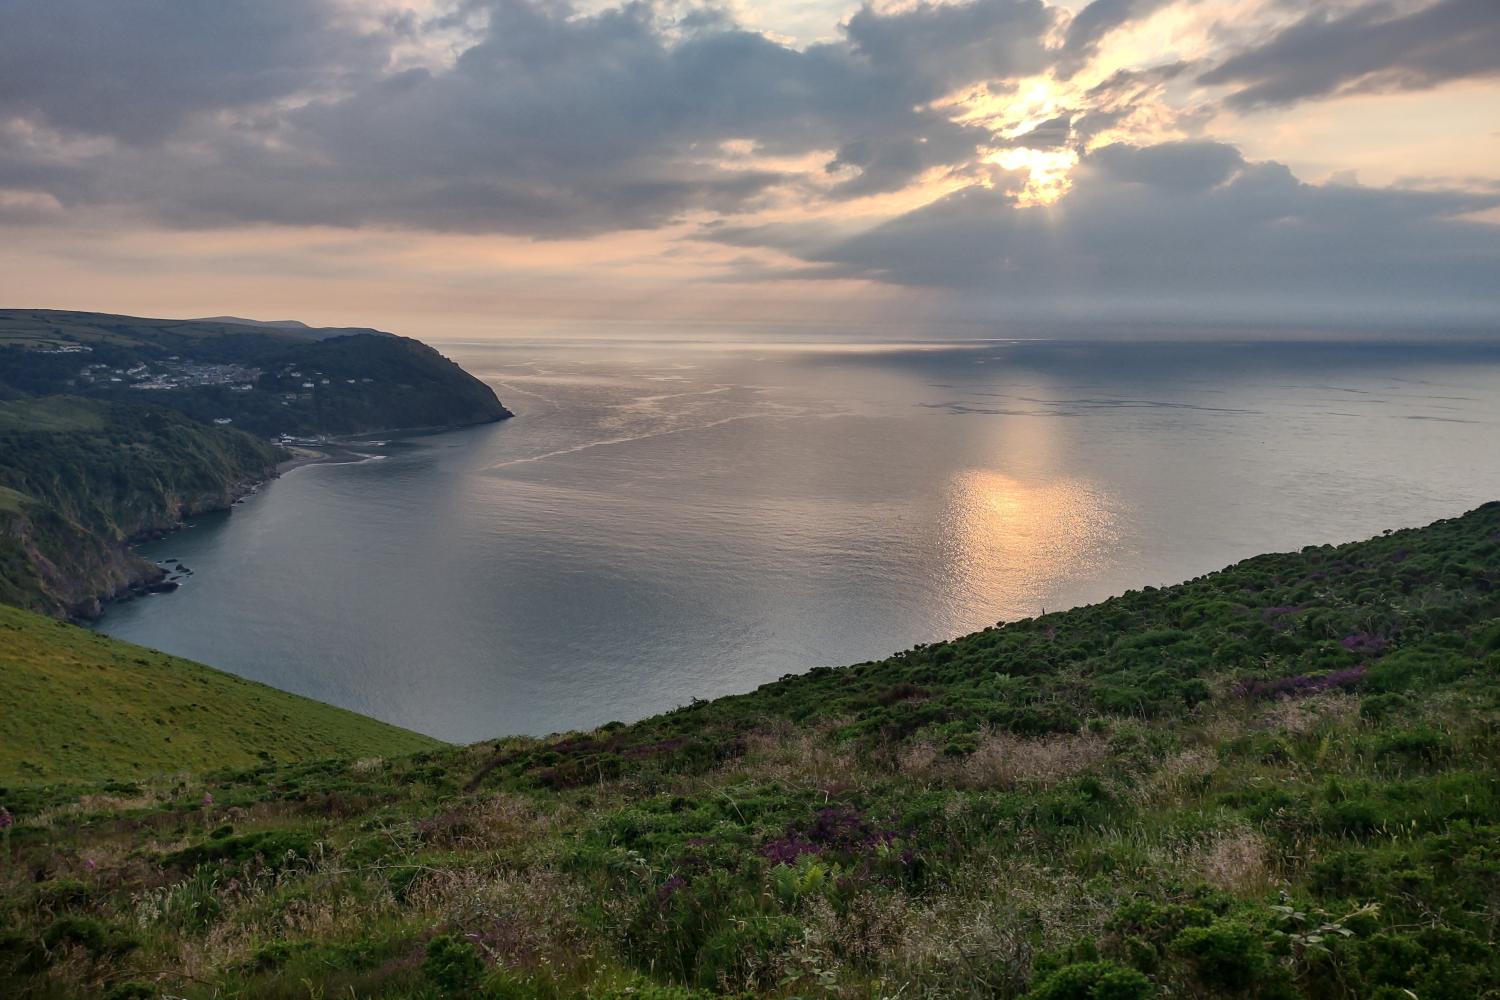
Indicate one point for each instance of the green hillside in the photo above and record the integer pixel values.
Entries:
(76, 706)
(267, 379)
(1280, 780)
(83, 478)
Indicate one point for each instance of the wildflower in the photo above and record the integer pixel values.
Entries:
(787, 850)
(6, 819)
(670, 887)
(90, 864)
(1364, 643)
(1303, 684)
(208, 798)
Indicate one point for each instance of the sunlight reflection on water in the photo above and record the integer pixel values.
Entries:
(668, 521)
(1006, 538)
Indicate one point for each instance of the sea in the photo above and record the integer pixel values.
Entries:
(672, 519)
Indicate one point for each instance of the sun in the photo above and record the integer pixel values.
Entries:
(1047, 172)
(1012, 115)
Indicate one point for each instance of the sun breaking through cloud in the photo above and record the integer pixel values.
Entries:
(469, 161)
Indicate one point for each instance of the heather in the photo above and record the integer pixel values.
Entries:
(1278, 780)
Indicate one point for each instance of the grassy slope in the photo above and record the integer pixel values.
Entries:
(1281, 780)
(76, 706)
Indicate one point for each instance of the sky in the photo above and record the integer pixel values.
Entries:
(472, 168)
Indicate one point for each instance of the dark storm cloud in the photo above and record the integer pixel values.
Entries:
(935, 48)
(1374, 47)
(1179, 167)
(136, 69)
(550, 123)
(1172, 221)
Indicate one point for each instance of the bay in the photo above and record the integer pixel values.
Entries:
(671, 519)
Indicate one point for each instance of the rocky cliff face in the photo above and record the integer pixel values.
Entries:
(57, 568)
(53, 566)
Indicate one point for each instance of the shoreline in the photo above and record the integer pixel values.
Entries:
(327, 452)
(300, 456)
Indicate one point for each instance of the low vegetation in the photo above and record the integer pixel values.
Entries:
(1275, 781)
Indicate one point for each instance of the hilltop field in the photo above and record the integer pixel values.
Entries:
(1275, 781)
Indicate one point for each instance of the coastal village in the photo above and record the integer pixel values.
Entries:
(176, 372)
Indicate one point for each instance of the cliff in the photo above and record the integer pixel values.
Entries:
(83, 479)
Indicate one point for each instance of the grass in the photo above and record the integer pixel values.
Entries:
(1281, 780)
(55, 327)
(11, 501)
(76, 706)
(52, 415)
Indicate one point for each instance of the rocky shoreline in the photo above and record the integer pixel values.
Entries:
(142, 577)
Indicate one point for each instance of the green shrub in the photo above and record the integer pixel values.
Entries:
(453, 964)
(1225, 955)
(1418, 668)
(93, 936)
(276, 848)
(1417, 743)
(132, 990)
(737, 952)
(1092, 981)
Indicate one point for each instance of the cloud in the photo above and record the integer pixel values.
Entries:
(538, 119)
(1089, 27)
(934, 48)
(1374, 47)
(1177, 222)
(549, 122)
(136, 70)
(1179, 167)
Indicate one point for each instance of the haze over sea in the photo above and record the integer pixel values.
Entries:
(669, 520)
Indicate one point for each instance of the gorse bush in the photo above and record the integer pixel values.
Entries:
(1277, 781)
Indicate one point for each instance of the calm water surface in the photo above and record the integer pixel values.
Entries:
(665, 521)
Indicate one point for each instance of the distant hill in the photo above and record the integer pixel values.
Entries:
(77, 706)
(82, 478)
(268, 378)
(297, 326)
(93, 456)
